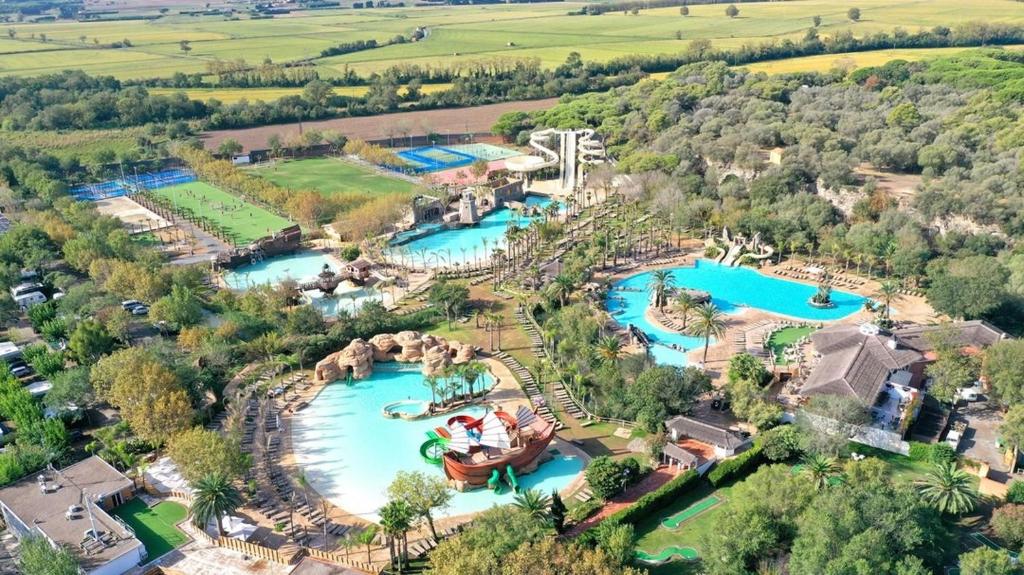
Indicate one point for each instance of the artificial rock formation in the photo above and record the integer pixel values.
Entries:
(357, 357)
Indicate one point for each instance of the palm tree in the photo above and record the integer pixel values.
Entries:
(888, 291)
(396, 518)
(820, 469)
(560, 288)
(710, 322)
(609, 349)
(684, 305)
(430, 381)
(214, 498)
(366, 537)
(661, 282)
(535, 503)
(948, 489)
(471, 372)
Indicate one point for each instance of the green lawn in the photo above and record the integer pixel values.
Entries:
(331, 176)
(245, 221)
(784, 338)
(654, 537)
(155, 526)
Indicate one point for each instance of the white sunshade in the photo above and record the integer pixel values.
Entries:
(524, 417)
(494, 433)
(459, 441)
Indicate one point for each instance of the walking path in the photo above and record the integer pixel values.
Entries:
(653, 481)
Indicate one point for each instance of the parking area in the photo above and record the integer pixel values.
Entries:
(979, 441)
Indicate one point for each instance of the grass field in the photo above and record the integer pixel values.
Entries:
(245, 221)
(851, 60)
(233, 95)
(654, 536)
(784, 338)
(458, 35)
(331, 176)
(155, 526)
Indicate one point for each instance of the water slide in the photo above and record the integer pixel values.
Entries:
(510, 476)
(539, 142)
(730, 257)
(494, 482)
(432, 450)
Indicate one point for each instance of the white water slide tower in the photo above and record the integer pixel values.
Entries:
(575, 148)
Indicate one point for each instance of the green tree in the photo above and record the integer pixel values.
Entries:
(229, 147)
(180, 308)
(90, 341)
(1004, 368)
(201, 452)
(483, 547)
(853, 14)
(213, 498)
(948, 489)
(424, 493)
(604, 475)
(820, 469)
(366, 537)
(37, 557)
(70, 388)
(534, 503)
(684, 10)
(986, 561)
(1008, 524)
(396, 518)
(781, 443)
(659, 286)
(816, 20)
(557, 510)
(967, 288)
(618, 541)
(449, 297)
(609, 349)
(732, 11)
(1015, 494)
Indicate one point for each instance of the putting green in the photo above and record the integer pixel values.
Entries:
(674, 521)
(666, 554)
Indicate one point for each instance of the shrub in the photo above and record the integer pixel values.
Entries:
(1008, 524)
(781, 443)
(920, 451)
(736, 467)
(607, 478)
(1015, 494)
(581, 512)
(942, 453)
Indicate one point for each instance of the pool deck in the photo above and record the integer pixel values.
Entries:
(505, 394)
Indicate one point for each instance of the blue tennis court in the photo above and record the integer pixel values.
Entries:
(434, 159)
(131, 184)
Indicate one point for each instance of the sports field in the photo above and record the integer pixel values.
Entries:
(155, 526)
(457, 35)
(240, 219)
(331, 176)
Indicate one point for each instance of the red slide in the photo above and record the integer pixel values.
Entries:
(471, 423)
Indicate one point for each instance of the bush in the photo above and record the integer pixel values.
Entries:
(1015, 494)
(581, 512)
(942, 453)
(781, 443)
(736, 467)
(607, 478)
(920, 451)
(1008, 524)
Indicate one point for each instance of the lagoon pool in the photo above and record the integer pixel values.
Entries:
(350, 452)
(731, 289)
(302, 265)
(467, 245)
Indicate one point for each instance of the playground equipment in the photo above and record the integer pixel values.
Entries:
(575, 148)
(477, 451)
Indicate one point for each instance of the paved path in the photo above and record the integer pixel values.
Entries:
(656, 479)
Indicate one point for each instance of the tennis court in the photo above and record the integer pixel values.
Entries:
(131, 183)
(487, 152)
(241, 220)
(434, 158)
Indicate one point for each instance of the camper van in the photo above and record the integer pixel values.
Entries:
(29, 299)
(25, 288)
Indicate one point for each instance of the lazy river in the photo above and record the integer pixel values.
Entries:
(470, 244)
(732, 289)
(350, 452)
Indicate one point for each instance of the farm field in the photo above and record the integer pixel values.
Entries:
(241, 219)
(234, 95)
(458, 35)
(331, 176)
(826, 62)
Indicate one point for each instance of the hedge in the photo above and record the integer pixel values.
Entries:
(655, 500)
(736, 467)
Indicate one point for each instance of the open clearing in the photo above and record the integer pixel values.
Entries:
(850, 60)
(240, 219)
(331, 176)
(458, 35)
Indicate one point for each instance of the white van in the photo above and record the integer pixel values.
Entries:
(29, 299)
(25, 288)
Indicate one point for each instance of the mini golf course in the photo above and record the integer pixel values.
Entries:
(785, 337)
(674, 521)
(668, 554)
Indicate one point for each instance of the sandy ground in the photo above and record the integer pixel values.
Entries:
(136, 217)
(452, 120)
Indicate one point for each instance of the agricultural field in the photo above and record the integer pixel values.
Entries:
(333, 176)
(457, 35)
(240, 219)
(234, 95)
(826, 62)
(79, 143)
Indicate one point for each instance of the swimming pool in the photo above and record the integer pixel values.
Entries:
(302, 265)
(731, 289)
(469, 244)
(350, 452)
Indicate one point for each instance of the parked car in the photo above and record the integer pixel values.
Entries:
(128, 304)
(139, 310)
(19, 368)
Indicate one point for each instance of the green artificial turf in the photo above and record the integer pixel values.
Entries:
(155, 526)
(331, 176)
(242, 220)
(784, 338)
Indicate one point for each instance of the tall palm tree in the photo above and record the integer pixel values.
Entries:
(471, 372)
(535, 503)
(888, 292)
(214, 498)
(820, 469)
(710, 322)
(948, 489)
(430, 382)
(560, 288)
(661, 282)
(609, 349)
(366, 537)
(396, 519)
(684, 305)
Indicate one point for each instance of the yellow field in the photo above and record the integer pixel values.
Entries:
(458, 35)
(852, 60)
(233, 95)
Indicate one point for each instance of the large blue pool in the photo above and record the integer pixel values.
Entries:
(731, 289)
(466, 245)
(350, 452)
